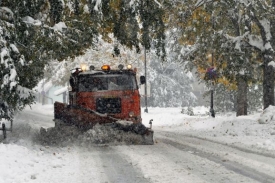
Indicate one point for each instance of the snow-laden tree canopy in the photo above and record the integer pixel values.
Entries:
(234, 37)
(15, 72)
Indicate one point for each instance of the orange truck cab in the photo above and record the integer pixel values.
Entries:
(102, 96)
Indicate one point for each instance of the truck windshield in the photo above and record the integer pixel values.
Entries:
(106, 82)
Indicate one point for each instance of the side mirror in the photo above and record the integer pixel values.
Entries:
(142, 79)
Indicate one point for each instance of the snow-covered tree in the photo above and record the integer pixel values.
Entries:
(234, 38)
(27, 44)
(250, 36)
(15, 73)
(225, 98)
(170, 85)
(132, 22)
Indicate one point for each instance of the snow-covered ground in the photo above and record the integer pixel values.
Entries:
(253, 131)
(22, 160)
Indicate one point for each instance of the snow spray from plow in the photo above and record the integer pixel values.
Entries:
(116, 133)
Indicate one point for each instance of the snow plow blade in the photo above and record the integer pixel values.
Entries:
(74, 124)
(78, 116)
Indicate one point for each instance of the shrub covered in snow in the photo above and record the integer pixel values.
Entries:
(267, 116)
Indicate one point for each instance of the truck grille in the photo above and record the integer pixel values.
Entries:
(108, 105)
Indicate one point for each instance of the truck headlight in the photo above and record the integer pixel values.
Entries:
(129, 66)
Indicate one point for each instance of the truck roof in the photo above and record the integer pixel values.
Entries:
(95, 72)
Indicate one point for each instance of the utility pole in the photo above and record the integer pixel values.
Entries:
(212, 112)
(145, 89)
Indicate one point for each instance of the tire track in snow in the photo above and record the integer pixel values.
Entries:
(234, 146)
(230, 165)
(117, 169)
(164, 163)
(253, 159)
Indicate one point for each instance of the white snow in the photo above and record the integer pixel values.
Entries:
(4, 53)
(97, 5)
(14, 48)
(7, 10)
(23, 161)
(59, 26)
(254, 130)
(43, 86)
(272, 63)
(158, 3)
(30, 20)
(86, 8)
(61, 90)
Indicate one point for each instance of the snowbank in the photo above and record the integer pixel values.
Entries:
(252, 131)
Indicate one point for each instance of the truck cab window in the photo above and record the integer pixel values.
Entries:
(107, 82)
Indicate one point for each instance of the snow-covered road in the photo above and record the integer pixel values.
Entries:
(176, 156)
(217, 162)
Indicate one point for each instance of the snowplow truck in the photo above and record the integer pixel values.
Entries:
(106, 96)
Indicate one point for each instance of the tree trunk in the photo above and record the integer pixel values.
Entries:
(242, 97)
(268, 82)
